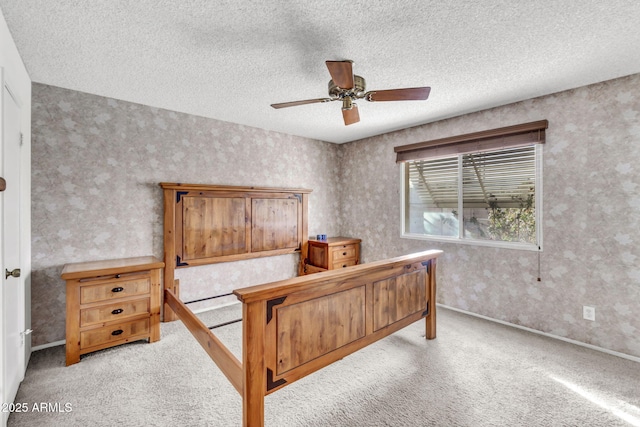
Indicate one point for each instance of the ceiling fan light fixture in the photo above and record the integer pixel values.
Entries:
(347, 103)
(350, 115)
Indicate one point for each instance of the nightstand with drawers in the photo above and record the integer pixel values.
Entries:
(111, 303)
(331, 254)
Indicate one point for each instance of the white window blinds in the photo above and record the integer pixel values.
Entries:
(496, 178)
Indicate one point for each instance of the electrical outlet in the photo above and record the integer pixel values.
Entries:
(588, 313)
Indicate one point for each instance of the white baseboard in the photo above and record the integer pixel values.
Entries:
(203, 310)
(51, 344)
(535, 331)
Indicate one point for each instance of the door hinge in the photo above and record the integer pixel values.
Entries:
(24, 334)
(21, 139)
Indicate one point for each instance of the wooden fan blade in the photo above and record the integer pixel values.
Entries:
(350, 115)
(296, 103)
(341, 73)
(408, 94)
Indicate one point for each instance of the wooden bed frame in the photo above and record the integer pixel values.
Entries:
(294, 327)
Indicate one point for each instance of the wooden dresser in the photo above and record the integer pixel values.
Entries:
(110, 303)
(331, 254)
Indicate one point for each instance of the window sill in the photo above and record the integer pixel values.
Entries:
(474, 242)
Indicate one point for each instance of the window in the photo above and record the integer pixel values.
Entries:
(475, 188)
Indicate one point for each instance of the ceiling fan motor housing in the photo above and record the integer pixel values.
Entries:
(356, 91)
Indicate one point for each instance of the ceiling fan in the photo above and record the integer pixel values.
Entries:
(346, 87)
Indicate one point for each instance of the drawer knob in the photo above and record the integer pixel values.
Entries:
(117, 276)
(117, 332)
(117, 311)
(118, 289)
(344, 253)
(344, 266)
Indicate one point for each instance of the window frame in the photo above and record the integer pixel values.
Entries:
(461, 239)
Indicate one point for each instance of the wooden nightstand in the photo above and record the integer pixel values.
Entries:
(331, 254)
(110, 303)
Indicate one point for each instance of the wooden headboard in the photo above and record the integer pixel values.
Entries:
(206, 224)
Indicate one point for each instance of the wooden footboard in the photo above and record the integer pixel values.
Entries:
(294, 327)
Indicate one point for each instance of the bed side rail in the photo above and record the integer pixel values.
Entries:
(226, 361)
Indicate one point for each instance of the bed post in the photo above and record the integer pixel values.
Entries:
(169, 250)
(304, 246)
(254, 373)
(431, 317)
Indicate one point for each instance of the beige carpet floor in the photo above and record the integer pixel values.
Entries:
(476, 373)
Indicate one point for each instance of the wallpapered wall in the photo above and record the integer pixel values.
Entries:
(591, 217)
(96, 167)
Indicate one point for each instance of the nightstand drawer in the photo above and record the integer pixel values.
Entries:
(343, 252)
(117, 332)
(115, 289)
(344, 263)
(114, 311)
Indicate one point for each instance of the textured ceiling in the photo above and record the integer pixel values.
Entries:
(230, 60)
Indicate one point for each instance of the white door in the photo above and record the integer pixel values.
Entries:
(13, 295)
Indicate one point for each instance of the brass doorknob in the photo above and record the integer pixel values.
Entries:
(12, 273)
